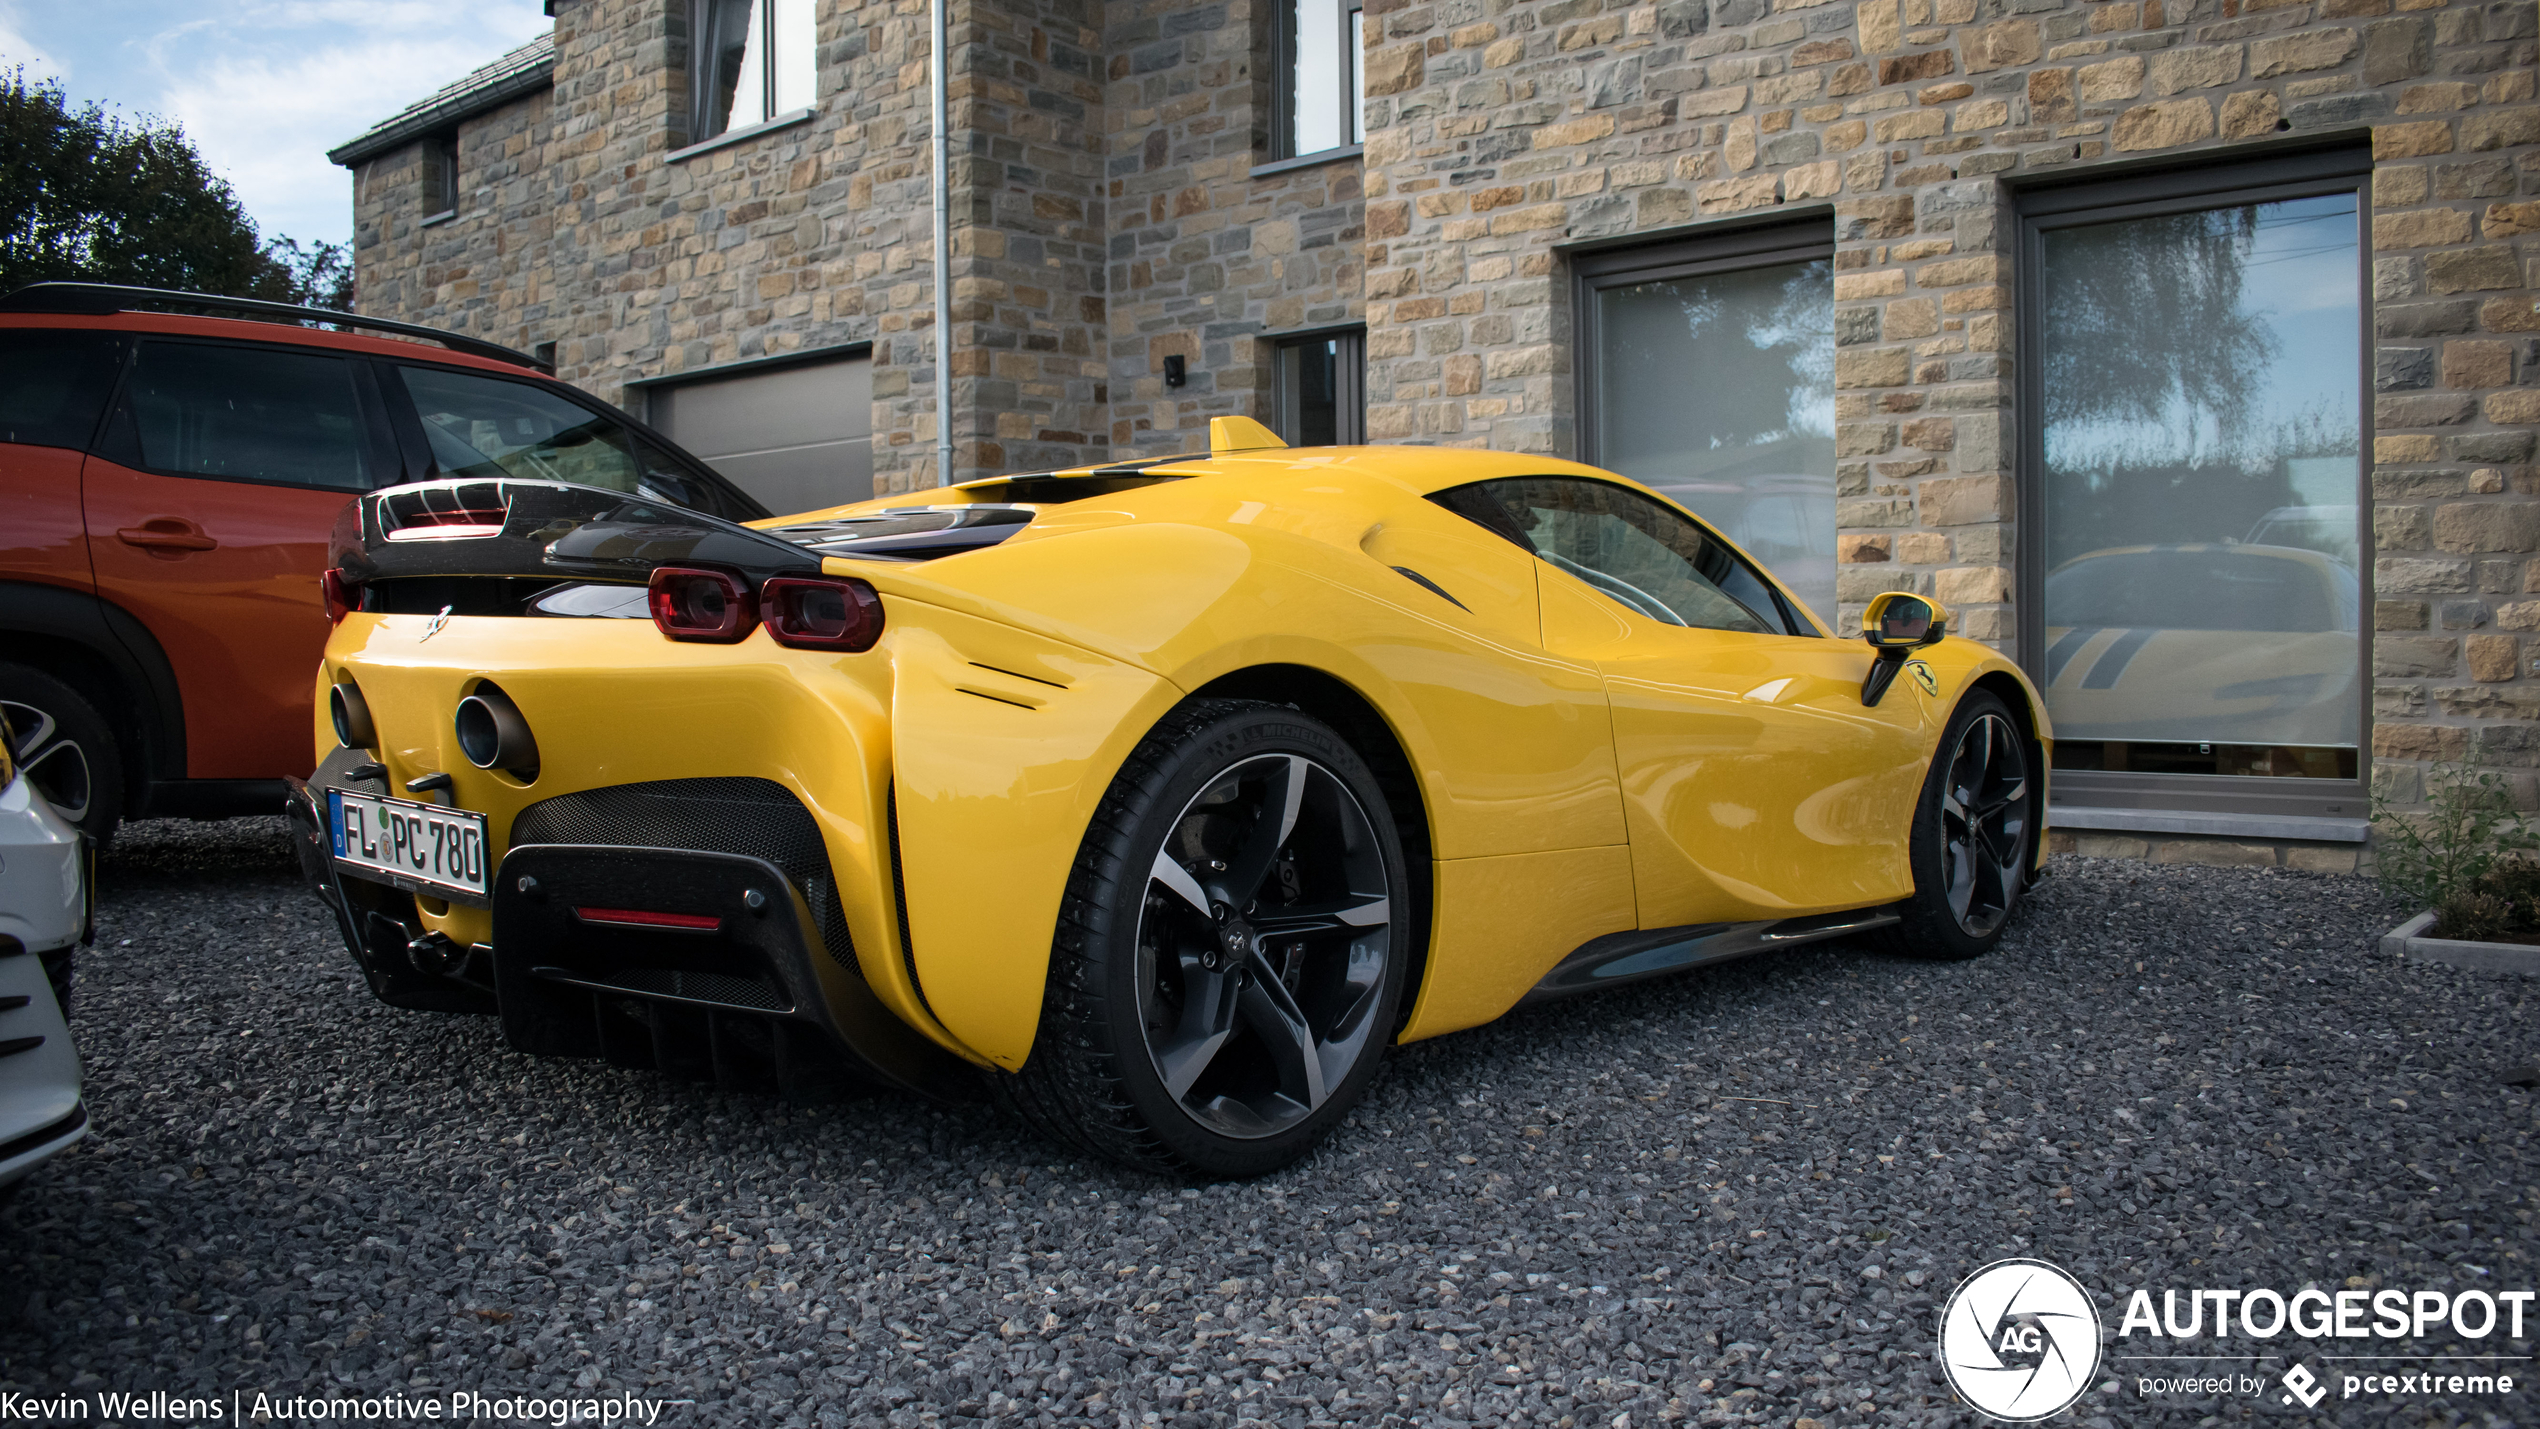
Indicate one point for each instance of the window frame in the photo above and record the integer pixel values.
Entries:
(2042, 209)
(441, 176)
(1284, 56)
(1769, 245)
(764, 11)
(118, 437)
(1349, 398)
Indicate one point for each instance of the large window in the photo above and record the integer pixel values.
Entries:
(750, 61)
(1318, 388)
(1707, 372)
(2196, 526)
(1322, 86)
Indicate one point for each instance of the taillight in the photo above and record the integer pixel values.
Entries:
(343, 594)
(693, 604)
(821, 612)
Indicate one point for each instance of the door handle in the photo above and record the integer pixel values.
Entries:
(166, 533)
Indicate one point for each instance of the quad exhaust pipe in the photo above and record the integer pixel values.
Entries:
(493, 734)
(351, 714)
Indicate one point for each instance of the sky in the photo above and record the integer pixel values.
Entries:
(265, 87)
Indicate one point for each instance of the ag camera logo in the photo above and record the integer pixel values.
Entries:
(2019, 1340)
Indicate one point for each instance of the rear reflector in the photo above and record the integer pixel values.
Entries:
(821, 612)
(690, 603)
(642, 918)
(343, 594)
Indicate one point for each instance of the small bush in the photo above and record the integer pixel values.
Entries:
(2458, 849)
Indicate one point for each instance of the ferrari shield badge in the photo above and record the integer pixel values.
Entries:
(1923, 676)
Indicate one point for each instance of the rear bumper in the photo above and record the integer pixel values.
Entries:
(752, 993)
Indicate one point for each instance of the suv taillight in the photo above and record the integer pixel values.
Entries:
(343, 595)
(821, 612)
(693, 604)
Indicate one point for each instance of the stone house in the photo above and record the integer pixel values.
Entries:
(2187, 349)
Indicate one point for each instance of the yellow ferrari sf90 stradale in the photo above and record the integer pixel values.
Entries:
(1157, 797)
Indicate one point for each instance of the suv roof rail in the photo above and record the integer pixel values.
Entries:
(98, 299)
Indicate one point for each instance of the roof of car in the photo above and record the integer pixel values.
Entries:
(269, 333)
(131, 308)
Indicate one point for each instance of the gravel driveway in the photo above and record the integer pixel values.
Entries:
(1737, 1196)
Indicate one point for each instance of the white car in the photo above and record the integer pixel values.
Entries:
(44, 916)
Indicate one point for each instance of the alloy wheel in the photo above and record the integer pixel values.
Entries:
(54, 763)
(1263, 944)
(1984, 823)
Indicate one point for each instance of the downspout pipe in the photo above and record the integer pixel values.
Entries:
(943, 241)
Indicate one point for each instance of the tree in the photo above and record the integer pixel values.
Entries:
(88, 197)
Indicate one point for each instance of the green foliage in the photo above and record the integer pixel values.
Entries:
(2455, 855)
(87, 197)
(2149, 318)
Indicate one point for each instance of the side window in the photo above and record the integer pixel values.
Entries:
(1645, 556)
(53, 385)
(246, 414)
(489, 427)
(667, 479)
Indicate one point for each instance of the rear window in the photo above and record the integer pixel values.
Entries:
(266, 414)
(485, 427)
(53, 385)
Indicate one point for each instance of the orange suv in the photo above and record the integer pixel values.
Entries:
(167, 483)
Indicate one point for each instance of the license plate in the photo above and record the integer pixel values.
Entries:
(422, 848)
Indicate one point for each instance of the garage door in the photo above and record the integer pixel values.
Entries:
(797, 438)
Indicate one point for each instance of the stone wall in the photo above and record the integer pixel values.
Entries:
(488, 269)
(1205, 257)
(1029, 321)
(808, 236)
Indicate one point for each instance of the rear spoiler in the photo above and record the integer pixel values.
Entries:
(551, 530)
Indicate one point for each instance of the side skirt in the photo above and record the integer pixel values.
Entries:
(1621, 958)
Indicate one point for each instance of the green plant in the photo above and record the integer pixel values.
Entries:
(2447, 853)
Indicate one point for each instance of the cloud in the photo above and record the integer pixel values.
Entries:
(266, 87)
(265, 122)
(16, 49)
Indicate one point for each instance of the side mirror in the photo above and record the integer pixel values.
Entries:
(1898, 621)
(1895, 623)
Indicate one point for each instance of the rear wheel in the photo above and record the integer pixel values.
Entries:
(1227, 969)
(64, 748)
(1975, 835)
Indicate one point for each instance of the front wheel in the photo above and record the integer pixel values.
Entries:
(1229, 956)
(1974, 837)
(64, 748)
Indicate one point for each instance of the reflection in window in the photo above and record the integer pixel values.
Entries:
(1317, 389)
(750, 60)
(1647, 558)
(486, 427)
(2201, 522)
(248, 414)
(1718, 390)
(1326, 88)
